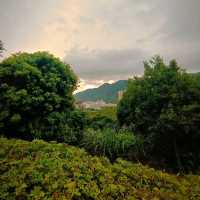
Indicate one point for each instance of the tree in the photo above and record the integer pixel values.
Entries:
(1, 48)
(164, 106)
(36, 97)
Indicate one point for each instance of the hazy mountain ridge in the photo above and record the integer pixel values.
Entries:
(106, 92)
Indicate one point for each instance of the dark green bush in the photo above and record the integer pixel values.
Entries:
(36, 98)
(63, 127)
(39, 170)
(164, 106)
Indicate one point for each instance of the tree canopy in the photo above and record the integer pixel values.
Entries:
(164, 107)
(36, 95)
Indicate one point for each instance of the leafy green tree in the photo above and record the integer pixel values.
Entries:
(164, 106)
(36, 97)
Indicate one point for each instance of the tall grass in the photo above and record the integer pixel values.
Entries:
(108, 142)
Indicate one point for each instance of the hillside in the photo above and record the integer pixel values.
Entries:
(41, 170)
(107, 92)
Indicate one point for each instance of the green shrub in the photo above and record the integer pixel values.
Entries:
(70, 126)
(36, 97)
(108, 142)
(164, 106)
(102, 118)
(39, 170)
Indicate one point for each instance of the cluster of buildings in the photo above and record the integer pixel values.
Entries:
(97, 104)
(94, 104)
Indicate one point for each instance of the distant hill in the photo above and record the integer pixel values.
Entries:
(106, 92)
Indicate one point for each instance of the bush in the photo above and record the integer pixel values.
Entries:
(108, 142)
(39, 170)
(102, 118)
(164, 107)
(101, 122)
(70, 126)
(36, 96)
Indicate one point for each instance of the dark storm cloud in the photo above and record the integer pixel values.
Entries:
(181, 32)
(182, 20)
(107, 64)
(173, 31)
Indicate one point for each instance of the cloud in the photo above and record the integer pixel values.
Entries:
(104, 39)
(182, 20)
(88, 83)
(22, 22)
(106, 64)
(179, 34)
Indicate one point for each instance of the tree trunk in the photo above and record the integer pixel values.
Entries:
(178, 159)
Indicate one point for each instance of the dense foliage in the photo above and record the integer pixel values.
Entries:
(101, 123)
(36, 97)
(101, 118)
(39, 170)
(164, 106)
(106, 92)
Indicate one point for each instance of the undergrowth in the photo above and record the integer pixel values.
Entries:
(41, 170)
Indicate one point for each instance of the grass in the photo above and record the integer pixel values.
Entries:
(41, 170)
(110, 112)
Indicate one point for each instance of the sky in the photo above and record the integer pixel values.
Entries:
(104, 40)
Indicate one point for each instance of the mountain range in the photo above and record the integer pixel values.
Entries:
(106, 92)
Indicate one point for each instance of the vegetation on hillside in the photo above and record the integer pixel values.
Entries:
(106, 92)
(110, 112)
(39, 170)
(163, 106)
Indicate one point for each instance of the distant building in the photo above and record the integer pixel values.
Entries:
(120, 94)
(93, 104)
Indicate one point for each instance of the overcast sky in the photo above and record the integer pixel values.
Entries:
(104, 40)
